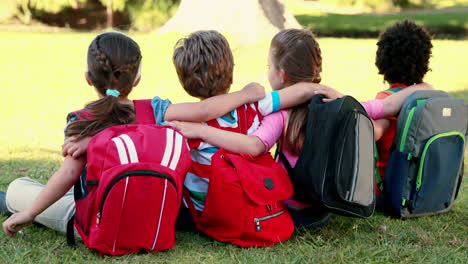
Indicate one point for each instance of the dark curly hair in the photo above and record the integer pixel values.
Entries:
(403, 53)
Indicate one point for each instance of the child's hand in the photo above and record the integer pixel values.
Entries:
(75, 148)
(330, 94)
(188, 129)
(16, 222)
(254, 91)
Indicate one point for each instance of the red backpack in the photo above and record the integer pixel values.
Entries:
(244, 203)
(129, 196)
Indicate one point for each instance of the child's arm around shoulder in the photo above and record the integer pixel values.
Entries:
(300, 93)
(56, 187)
(231, 141)
(261, 140)
(215, 106)
(394, 102)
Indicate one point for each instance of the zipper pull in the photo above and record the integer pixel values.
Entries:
(258, 227)
(98, 218)
(409, 156)
(228, 161)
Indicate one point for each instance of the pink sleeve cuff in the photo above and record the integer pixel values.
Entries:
(374, 108)
(270, 129)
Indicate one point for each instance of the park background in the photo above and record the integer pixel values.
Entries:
(42, 62)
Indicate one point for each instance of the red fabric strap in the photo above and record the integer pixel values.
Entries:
(398, 85)
(143, 111)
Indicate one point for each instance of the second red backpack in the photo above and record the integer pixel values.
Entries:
(244, 204)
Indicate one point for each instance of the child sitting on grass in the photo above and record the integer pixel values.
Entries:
(402, 58)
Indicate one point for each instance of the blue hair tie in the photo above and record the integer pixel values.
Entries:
(112, 92)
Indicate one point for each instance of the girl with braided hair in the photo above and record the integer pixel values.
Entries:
(113, 62)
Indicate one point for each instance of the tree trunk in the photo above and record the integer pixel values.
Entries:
(248, 19)
(110, 15)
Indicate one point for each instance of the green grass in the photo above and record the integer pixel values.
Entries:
(327, 18)
(442, 25)
(42, 80)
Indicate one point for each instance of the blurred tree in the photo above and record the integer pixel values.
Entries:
(26, 7)
(248, 19)
(401, 3)
(111, 6)
(143, 14)
(150, 14)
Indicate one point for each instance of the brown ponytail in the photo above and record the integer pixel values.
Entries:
(113, 61)
(298, 54)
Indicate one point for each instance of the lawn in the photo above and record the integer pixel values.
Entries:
(447, 25)
(449, 19)
(42, 80)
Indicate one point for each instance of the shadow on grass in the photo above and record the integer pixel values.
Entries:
(450, 25)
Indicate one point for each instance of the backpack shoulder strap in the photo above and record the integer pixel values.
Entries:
(393, 90)
(285, 161)
(71, 232)
(242, 119)
(81, 115)
(396, 87)
(144, 112)
(378, 177)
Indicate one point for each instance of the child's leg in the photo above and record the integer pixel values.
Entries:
(22, 192)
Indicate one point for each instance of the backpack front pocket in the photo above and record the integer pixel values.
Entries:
(355, 172)
(438, 173)
(135, 210)
(244, 204)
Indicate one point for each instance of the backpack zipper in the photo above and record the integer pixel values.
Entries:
(228, 161)
(149, 173)
(350, 192)
(423, 156)
(406, 128)
(257, 220)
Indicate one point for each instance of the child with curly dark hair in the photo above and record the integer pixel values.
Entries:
(402, 58)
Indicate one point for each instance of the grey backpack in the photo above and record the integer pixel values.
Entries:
(424, 171)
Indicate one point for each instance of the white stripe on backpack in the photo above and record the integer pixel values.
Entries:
(168, 149)
(177, 149)
(121, 150)
(160, 215)
(130, 147)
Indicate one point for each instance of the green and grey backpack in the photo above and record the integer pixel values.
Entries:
(425, 168)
